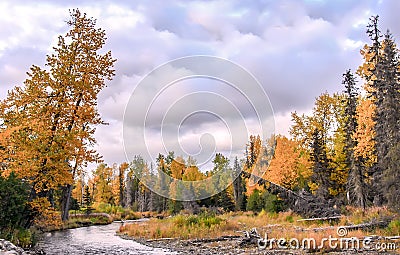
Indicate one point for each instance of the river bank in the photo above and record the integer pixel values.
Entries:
(8, 248)
(233, 247)
(200, 248)
(232, 233)
(97, 239)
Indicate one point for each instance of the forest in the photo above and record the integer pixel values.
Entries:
(346, 152)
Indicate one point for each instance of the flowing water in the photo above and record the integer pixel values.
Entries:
(93, 240)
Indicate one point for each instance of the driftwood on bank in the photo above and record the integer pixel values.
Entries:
(369, 225)
(322, 218)
(250, 237)
(303, 202)
(383, 223)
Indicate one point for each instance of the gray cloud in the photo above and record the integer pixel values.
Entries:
(296, 49)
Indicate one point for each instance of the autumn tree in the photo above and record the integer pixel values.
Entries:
(54, 115)
(191, 188)
(103, 178)
(321, 135)
(290, 165)
(253, 151)
(225, 196)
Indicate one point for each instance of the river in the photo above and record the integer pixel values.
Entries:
(93, 240)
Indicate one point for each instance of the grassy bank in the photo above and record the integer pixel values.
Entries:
(275, 225)
(82, 220)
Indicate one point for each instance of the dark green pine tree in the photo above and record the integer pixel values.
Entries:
(255, 202)
(370, 75)
(357, 190)
(374, 34)
(320, 165)
(225, 201)
(387, 121)
(239, 187)
(87, 201)
(14, 209)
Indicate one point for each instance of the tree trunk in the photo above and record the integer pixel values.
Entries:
(66, 199)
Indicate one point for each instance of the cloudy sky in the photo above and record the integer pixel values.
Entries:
(295, 49)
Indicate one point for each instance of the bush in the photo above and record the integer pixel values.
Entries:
(255, 202)
(393, 228)
(16, 215)
(206, 220)
(272, 203)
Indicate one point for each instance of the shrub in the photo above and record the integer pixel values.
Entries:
(255, 202)
(272, 203)
(15, 211)
(393, 228)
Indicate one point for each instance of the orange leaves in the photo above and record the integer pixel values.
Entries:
(365, 132)
(177, 168)
(49, 122)
(192, 173)
(288, 164)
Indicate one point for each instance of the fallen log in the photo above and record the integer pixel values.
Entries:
(368, 225)
(344, 229)
(322, 218)
(302, 202)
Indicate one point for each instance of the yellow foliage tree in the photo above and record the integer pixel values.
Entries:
(51, 119)
(289, 165)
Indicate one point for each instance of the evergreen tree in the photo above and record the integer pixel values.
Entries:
(87, 201)
(357, 191)
(239, 186)
(15, 211)
(320, 165)
(387, 120)
(368, 71)
(380, 71)
(121, 182)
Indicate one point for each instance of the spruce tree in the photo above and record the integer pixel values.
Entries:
(356, 183)
(87, 201)
(321, 165)
(239, 186)
(387, 120)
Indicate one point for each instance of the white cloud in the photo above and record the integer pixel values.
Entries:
(296, 49)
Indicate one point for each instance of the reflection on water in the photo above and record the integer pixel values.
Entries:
(93, 240)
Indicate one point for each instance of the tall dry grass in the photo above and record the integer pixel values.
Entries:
(272, 225)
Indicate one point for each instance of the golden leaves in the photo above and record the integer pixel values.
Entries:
(289, 163)
(49, 122)
(365, 132)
